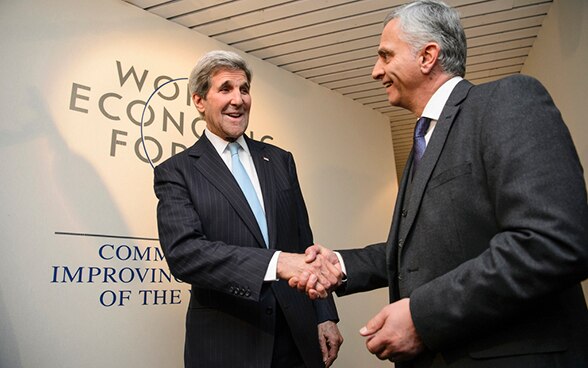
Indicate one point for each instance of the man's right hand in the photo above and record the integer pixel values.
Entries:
(316, 272)
(310, 283)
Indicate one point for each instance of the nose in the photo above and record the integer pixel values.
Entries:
(378, 70)
(236, 98)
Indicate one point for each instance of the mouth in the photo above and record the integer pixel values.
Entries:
(234, 115)
(387, 84)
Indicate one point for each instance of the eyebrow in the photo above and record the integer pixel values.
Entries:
(384, 52)
(229, 84)
(225, 84)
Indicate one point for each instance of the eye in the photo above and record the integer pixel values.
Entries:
(384, 56)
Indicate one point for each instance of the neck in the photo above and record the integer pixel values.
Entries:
(434, 82)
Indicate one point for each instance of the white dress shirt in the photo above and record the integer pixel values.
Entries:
(436, 104)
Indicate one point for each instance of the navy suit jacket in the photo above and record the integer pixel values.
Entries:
(211, 240)
(490, 238)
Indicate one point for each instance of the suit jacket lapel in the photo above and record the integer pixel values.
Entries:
(212, 167)
(433, 151)
(265, 174)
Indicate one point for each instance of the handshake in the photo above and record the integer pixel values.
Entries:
(316, 273)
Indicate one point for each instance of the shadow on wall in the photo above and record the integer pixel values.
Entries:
(45, 185)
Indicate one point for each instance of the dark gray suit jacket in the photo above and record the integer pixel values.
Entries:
(211, 240)
(490, 239)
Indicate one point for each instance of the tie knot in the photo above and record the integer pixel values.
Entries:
(422, 126)
(234, 148)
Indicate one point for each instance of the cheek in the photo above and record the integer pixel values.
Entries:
(247, 103)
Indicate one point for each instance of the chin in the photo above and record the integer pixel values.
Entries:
(394, 102)
(236, 134)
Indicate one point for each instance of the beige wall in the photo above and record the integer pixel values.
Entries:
(559, 59)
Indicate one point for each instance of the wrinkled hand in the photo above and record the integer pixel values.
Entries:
(309, 283)
(330, 340)
(391, 333)
(324, 274)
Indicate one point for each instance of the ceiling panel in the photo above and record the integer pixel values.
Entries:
(333, 43)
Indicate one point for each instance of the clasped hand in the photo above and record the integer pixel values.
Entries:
(317, 273)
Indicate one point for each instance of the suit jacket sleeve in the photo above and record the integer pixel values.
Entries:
(537, 198)
(191, 256)
(366, 269)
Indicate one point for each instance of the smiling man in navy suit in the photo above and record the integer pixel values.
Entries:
(232, 241)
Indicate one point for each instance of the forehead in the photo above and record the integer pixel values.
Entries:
(229, 76)
(390, 36)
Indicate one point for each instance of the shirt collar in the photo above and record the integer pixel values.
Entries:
(220, 145)
(439, 99)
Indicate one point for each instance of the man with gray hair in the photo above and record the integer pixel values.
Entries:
(489, 240)
(232, 223)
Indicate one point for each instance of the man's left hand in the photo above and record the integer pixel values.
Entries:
(330, 340)
(391, 333)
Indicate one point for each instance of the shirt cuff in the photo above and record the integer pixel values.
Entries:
(343, 269)
(272, 269)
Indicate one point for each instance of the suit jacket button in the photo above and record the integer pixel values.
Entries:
(404, 212)
(269, 310)
(400, 243)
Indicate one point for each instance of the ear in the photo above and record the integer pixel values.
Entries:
(198, 102)
(428, 57)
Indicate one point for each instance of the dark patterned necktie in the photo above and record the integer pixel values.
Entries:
(419, 143)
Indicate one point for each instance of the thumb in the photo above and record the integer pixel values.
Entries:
(373, 325)
(311, 253)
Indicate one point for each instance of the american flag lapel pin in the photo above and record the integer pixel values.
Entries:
(265, 158)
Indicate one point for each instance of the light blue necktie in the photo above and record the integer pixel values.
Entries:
(247, 187)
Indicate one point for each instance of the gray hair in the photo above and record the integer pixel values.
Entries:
(209, 64)
(426, 21)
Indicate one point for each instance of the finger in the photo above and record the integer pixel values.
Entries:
(321, 279)
(380, 346)
(330, 359)
(313, 294)
(321, 290)
(323, 346)
(311, 281)
(324, 274)
(324, 282)
(334, 274)
(376, 347)
(333, 352)
(373, 325)
(293, 282)
(387, 353)
(303, 280)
